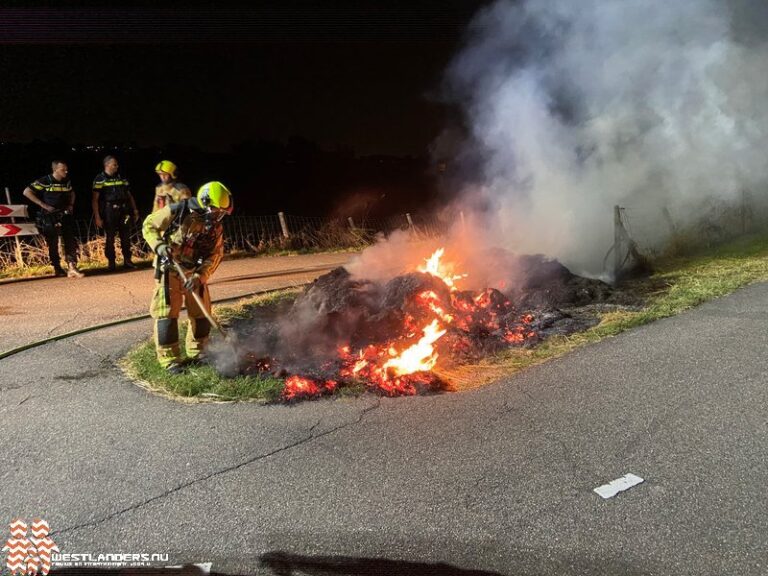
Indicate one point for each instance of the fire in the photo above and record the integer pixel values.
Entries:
(441, 270)
(420, 357)
(433, 301)
(298, 386)
(395, 367)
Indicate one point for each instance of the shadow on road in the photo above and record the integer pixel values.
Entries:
(279, 563)
(283, 564)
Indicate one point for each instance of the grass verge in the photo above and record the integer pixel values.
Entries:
(679, 284)
(203, 383)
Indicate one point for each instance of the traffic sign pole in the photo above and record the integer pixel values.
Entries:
(19, 257)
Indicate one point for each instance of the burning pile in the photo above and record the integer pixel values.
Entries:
(394, 338)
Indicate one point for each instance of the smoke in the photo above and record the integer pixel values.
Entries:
(574, 107)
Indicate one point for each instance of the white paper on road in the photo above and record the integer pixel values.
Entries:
(205, 567)
(619, 485)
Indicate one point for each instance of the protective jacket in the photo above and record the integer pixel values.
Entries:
(196, 241)
(166, 194)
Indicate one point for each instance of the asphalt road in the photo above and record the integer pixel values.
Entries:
(497, 480)
(35, 309)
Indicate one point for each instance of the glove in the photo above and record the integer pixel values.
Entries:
(193, 283)
(163, 250)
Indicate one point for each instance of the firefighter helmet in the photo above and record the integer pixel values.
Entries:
(215, 195)
(166, 166)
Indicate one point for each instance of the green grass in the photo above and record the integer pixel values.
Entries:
(203, 383)
(678, 285)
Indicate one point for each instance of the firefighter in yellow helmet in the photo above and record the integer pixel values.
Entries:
(169, 190)
(191, 233)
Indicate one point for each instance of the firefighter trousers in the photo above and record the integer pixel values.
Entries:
(165, 308)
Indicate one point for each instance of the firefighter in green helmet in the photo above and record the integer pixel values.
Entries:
(191, 233)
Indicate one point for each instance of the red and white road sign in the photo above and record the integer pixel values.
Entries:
(18, 230)
(9, 210)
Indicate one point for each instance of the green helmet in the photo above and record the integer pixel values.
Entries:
(215, 195)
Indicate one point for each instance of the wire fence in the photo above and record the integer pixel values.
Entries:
(646, 233)
(242, 234)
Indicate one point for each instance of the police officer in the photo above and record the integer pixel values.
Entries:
(190, 232)
(113, 208)
(170, 190)
(56, 198)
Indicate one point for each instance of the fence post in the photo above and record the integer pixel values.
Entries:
(743, 210)
(410, 221)
(19, 258)
(283, 224)
(463, 222)
(616, 240)
(351, 223)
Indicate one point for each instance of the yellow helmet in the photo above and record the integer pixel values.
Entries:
(215, 195)
(166, 166)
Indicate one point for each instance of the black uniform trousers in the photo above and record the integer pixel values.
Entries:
(117, 220)
(65, 229)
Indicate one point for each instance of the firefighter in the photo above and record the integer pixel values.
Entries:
(56, 198)
(113, 209)
(191, 233)
(169, 191)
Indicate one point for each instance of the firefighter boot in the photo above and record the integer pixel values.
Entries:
(167, 344)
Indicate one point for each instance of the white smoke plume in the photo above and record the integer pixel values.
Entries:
(576, 106)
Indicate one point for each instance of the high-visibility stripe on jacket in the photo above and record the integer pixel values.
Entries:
(196, 243)
(112, 189)
(54, 192)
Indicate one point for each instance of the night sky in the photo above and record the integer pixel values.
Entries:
(364, 77)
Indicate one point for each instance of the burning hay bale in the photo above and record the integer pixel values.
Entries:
(390, 336)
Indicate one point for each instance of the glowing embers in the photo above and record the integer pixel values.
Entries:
(418, 323)
(300, 387)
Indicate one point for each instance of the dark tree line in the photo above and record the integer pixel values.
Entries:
(296, 176)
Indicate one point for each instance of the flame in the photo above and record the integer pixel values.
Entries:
(420, 357)
(395, 368)
(435, 267)
(431, 299)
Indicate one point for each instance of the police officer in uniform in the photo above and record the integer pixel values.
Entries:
(113, 209)
(170, 190)
(56, 199)
(191, 233)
